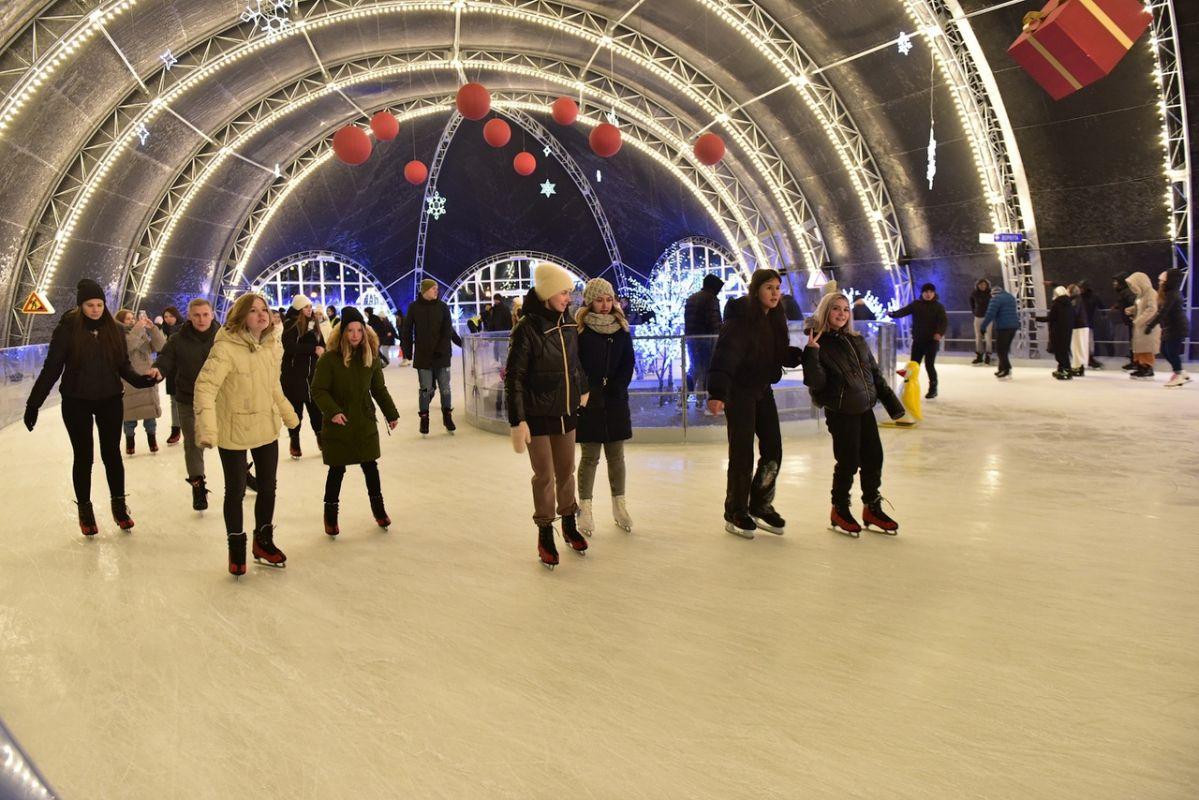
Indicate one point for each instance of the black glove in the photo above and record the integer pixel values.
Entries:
(30, 417)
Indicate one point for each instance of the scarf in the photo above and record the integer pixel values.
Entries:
(602, 323)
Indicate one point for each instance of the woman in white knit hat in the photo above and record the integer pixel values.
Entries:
(606, 354)
(544, 386)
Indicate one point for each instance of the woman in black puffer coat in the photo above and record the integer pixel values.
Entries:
(1061, 319)
(544, 386)
(303, 345)
(750, 355)
(844, 379)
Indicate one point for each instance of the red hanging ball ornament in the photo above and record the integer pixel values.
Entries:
(385, 126)
(415, 172)
(474, 101)
(352, 145)
(497, 133)
(709, 149)
(605, 140)
(524, 163)
(565, 111)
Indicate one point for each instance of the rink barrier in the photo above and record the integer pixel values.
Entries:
(663, 407)
(20, 778)
(21, 367)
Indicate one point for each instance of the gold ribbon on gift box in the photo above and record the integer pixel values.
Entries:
(1033, 19)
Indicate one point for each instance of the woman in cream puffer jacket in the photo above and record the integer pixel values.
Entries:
(240, 407)
(1144, 345)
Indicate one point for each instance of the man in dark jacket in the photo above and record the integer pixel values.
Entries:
(1124, 299)
(429, 329)
(384, 330)
(498, 317)
(701, 319)
(182, 358)
(929, 323)
(980, 298)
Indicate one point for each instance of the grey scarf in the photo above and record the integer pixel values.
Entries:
(602, 323)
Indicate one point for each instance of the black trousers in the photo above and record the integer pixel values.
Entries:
(233, 464)
(1003, 346)
(1062, 354)
(370, 471)
(747, 416)
(314, 413)
(926, 351)
(78, 415)
(856, 448)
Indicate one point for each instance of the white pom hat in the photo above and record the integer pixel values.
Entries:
(300, 302)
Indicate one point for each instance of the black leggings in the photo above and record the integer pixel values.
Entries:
(926, 351)
(747, 490)
(856, 448)
(314, 413)
(233, 463)
(77, 415)
(370, 471)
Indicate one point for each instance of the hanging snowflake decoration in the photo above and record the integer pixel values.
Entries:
(599, 176)
(546, 150)
(436, 205)
(905, 43)
(612, 118)
(142, 133)
(268, 16)
(931, 171)
(168, 59)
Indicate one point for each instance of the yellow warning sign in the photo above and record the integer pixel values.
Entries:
(37, 303)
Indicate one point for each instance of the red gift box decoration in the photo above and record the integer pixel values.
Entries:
(1070, 44)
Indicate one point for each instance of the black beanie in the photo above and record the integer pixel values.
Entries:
(350, 314)
(928, 287)
(87, 289)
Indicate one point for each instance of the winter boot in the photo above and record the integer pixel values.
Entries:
(769, 520)
(740, 524)
(251, 481)
(978, 360)
(424, 423)
(932, 392)
(152, 438)
(87, 520)
(264, 547)
(120, 513)
(874, 517)
(842, 521)
(621, 514)
(130, 446)
(586, 519)
(199, 493)
(546, 550)
(237, 553)
(571, 534)
(331, 519)
(447, 419)
(294, 447)
(176, 435)
(381, 518)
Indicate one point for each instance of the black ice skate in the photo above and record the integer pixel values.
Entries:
(331, 528)
(768, 520)
(152, 438)
(570, 533)
(740, 524)
(87, 520)
(264, 547)
(130, 446)
(294, 446)
(1062, 374)
(932, 392)
(120, 514)
(424, 423)
(978, 360)
(1078, 372)
(546, 550)
(237, 553)
(842, 521)
(874, 517)
(1142, 373)
(1004, 374)
(447, 419)
(381, 518)
(199, 493)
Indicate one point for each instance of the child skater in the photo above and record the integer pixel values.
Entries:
(843, 378)
(348, 375)
(606, 353)
(750, 354)
(544, 386)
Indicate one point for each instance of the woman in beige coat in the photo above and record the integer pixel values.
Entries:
(142, 339)
(1144, 345)
(240, 408)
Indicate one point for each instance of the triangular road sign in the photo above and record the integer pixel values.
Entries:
(37, 303)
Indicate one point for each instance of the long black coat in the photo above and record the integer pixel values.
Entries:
(299, 360)
(428, 328)
(543, 379)
(842, 376)
(608, 361)
(1061, 324)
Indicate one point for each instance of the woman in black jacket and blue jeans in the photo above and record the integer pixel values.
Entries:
(750, 354)
(844, 379)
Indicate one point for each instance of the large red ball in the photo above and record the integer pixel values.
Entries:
(605, 140)
(352, 145)
(415, 172)
(709, 149)
(474, 101)
(565, 111)
(524, 163)
(497, 133)
(385, 126)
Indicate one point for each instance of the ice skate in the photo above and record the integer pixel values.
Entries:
(978, 360)
(424, 423)
(1078, 372)
(237, 553)
(585, 519)
(176, 435)
(1178, 379)
(264, 547)
(331, 528)
(199, 493)
(1062, 375)
(120, 514)
(932, 392)
(294, 445)
(874, 517)
(1130, 366)
(130, 446)
(381, 518)
(447, 419)
(1004, 374)
(1142, 374)
(87, 520)
(571, 534)
(152, 438)
(1094, 364)
(842, 521)
(620, 513)
(740, 524)
(546, 550)
(769, 520)
(987, 359)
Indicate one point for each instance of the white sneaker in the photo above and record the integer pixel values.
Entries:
(585, 519)
(621, 514)
(1178, 379)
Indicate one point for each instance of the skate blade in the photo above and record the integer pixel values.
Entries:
(625, 528)
(262, 562)
(550, 567)
(883, 531)
(733, 529)
(843, 532)
(768, 528)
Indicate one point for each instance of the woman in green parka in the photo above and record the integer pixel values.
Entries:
(348, 376)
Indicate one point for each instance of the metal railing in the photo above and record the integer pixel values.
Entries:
(21, 366)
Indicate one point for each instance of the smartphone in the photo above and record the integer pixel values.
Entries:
(141, 313)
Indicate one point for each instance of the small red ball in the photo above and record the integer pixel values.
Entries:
(565, 111)
(474, 101)
(524, 163)
(385, 126)
(352, 145)
(709, 149)
(497, 133)
(415, 172)
(605, 140)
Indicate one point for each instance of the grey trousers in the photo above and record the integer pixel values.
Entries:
(589, 464)
(981, 337)
(193, 454)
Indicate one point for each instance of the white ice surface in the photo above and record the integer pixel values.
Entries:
(1032, 633)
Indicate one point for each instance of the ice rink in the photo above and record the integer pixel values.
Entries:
(1032, 633)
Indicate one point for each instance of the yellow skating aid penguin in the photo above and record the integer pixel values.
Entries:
(910, 396)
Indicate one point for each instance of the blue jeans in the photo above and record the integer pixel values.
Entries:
(151, 426)
(441, 376)
(1172, 352)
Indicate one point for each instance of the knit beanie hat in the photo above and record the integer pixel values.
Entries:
(427, 284)
(1060, 291)
(597, 288)
(550, 279)
(87, 289)
(928, 287)
(350, 314)
(300, 302)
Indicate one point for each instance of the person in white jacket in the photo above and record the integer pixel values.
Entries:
(1144, 344)
(240, 407)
